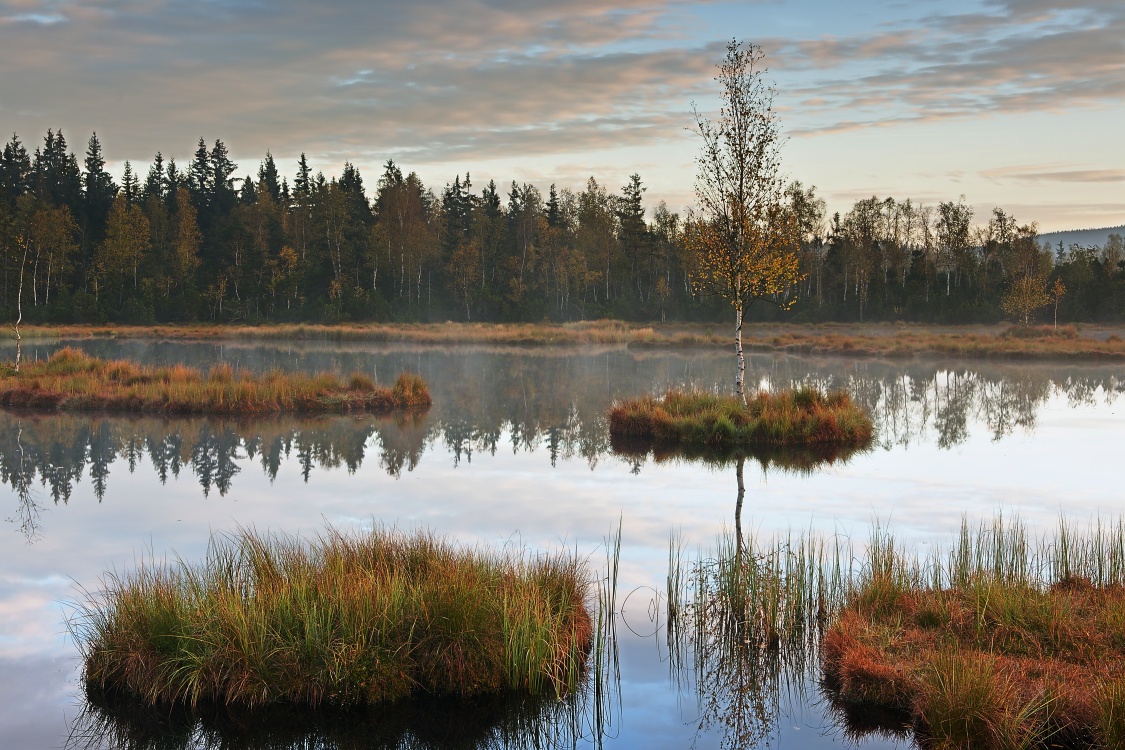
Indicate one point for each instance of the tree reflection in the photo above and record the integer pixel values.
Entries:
(27, 508)
(55, 450)
(749, 615)
(555, 403)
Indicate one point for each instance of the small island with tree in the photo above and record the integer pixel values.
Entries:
(744, 246)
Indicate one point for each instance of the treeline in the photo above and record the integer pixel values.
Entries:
(201, 243)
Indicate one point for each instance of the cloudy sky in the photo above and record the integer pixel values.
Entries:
(1016, 103)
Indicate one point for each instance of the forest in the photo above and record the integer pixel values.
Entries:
(203, 243)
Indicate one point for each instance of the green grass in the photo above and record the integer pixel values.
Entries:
(801, 417)
(337, 620)
(73, 380)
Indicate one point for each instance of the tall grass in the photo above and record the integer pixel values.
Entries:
(797, 417)
(1009, 640)
(71, 379)
(337, 620)
(1005, 640)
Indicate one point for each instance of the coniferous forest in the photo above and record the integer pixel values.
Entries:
(200, 242)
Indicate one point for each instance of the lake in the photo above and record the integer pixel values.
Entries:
(515, 451)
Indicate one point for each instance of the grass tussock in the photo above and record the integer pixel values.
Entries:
(336, 621)
(1011, 642)
(798, 417)
(71, 379)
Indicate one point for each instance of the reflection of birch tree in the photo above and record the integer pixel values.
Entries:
(27, 509)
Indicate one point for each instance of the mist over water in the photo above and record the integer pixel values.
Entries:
(515, 451)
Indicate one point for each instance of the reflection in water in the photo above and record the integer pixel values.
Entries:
(555, 402)
(794, 460)
(502, 721)
(27, 507)
(57, 448)
(751, 615)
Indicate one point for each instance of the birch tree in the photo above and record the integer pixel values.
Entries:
(744, 238)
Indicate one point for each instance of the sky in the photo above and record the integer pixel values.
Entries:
(1012, 103)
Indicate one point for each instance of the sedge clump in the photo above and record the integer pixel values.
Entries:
(337, 620)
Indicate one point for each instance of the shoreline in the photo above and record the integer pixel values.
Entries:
(887, 340)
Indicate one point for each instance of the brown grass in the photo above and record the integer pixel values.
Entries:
(340, 619)
(873, 340)
(798, 417)
(73, 380)
(987, 663)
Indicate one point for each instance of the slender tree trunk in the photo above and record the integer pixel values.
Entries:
(738, 503)
(19, 308)
(740, 380)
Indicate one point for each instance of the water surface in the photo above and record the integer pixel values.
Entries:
(515, 451)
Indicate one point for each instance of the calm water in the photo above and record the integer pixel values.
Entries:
(515, 451)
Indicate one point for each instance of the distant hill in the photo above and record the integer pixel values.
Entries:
(1083, 237)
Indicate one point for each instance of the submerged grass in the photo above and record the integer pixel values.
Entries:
(337, 620)
(71, 379)
(797, 417)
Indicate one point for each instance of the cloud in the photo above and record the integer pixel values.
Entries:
(1041, 174)
(42, 19)
(533, 85)
(432, 80)
(1021, 57)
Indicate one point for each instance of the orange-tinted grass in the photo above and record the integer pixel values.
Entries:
(341, 619)
(882, 340)
(798, 417)
(987, 664)
(71, 379)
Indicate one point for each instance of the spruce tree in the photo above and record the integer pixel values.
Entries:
(15, 171)
(130, 184)
(268, 177)
(247, 195)
(97, 198)
(223, 196)
(154, 182)
(199, 177)
(173, 181)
